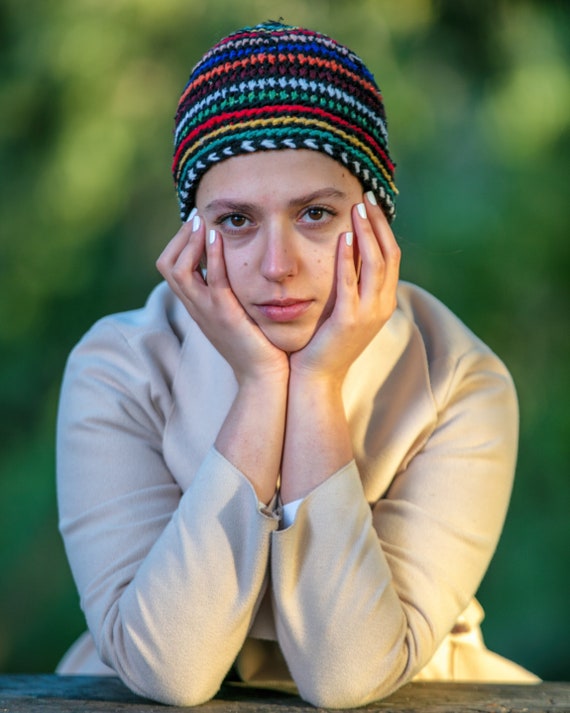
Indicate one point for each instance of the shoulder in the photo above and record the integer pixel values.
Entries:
(453, 353)
(161, 319)
(134, 353)
(442, 332)
(155, 331)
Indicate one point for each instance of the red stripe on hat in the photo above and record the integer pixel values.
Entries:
(295, 109)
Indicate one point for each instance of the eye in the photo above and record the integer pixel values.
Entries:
(233, 220)
(317, 214)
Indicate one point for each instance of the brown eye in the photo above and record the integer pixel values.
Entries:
(233, 221)
(236, 220)
(315, 214)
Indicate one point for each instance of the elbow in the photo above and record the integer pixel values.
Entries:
(350, 681)
(155, 669)
(175, 680)
(343, 691)
(187, 696)
(173, 690)
(340, 697)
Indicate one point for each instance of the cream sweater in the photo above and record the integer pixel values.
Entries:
(181, 572)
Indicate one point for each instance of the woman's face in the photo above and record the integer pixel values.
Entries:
(280, 215)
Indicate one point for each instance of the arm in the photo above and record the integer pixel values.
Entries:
(150, 561)
(169, 581)
(252, 435)
(364, 597)
(317, 439)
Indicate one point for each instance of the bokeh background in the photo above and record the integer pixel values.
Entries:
(478, 99)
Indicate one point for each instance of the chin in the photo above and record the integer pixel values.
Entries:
(288, 343)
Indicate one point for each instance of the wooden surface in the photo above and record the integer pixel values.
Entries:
(88, 694)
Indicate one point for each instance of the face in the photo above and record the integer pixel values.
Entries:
(280, 215)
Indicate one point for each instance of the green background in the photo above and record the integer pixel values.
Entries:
(478, 99)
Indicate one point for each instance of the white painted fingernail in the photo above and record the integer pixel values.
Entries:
(212, 236)
(371, 197)
(192, 214)
(196, 223)
(348, 238)
(361, 208)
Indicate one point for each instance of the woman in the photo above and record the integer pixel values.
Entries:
(289, 463)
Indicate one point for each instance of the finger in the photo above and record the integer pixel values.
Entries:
(180, 262)
(372, 260)
(229, 310)
(170, 254)
(389, 247)
(217, 274)
(347, 268)
(186, 270)
(345, 289)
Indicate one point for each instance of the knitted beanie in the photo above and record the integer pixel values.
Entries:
(275, 86)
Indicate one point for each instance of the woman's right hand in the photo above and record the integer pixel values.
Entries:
(213, 305)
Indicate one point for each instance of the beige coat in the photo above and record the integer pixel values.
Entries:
(181, 571)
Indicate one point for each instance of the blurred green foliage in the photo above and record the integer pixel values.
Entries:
(478, 98)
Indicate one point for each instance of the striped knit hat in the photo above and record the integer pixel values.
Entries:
(274, 86)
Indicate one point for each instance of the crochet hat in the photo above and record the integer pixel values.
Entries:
(275, 86)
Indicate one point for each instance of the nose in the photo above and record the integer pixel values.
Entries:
(279, 260)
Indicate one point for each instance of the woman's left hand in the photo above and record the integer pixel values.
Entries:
(362, 306)
(318, 440)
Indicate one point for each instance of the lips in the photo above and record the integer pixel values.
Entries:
(286, 310)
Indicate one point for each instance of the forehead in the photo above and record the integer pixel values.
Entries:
(282, 175)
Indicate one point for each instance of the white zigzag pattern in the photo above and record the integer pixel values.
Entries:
(192, 175)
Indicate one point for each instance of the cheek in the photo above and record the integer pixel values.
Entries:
(324, 268)
(238, 268)
(325, 277)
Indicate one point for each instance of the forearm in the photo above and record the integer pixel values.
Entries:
(376, 595)
(317, 437)
(317, 440)
(336, 606)
(174, 631)
(251, 437)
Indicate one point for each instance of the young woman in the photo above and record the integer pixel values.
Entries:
(287, 464)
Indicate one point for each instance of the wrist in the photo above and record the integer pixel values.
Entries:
(269, 378)
(318, 396)
(326, 383)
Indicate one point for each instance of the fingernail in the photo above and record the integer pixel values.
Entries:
(212, 236)
(371, 197)
(348, 238)
(192, 214)
(196, 223)
(361, 208)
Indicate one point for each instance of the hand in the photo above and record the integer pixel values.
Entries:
(214, 306)
(362, 306)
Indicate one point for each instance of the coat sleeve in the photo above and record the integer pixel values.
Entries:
(364, 593)
(169, 581)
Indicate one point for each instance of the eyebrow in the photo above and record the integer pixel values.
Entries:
(321, 194)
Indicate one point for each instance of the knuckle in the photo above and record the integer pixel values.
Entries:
(178, 273)
(377, 263)
(349, 322)
(394, 254)
(350, 279)
(162, 262)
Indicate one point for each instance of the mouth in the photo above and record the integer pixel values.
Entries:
(286, 310)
